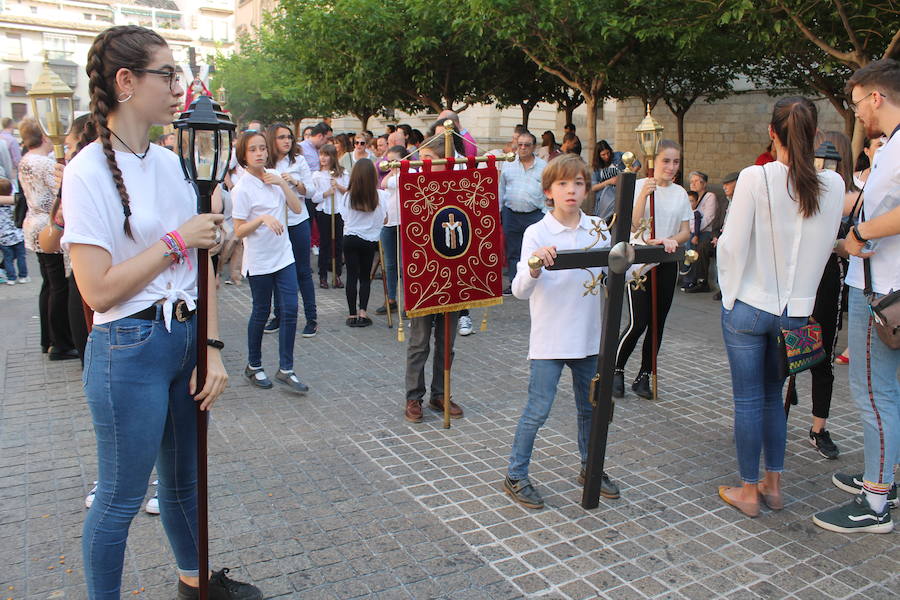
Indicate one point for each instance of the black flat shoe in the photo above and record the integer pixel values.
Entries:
(352, 321)
(618, 385)
(363, 321)
(63, 355)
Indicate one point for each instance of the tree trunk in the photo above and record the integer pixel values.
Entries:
(364, 120)
(857, 137)
(591, 104)
(526, 112)
(296, 125)
(569, 110)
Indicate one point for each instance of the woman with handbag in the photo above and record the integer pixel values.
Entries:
(780, 229)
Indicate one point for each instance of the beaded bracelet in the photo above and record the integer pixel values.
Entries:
(174, 251)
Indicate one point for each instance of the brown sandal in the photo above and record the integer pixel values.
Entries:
(746, 508)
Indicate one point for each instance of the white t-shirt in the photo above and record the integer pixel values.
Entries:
(882, 193)
(565, 322)
(671, 207)
(264, 252)
(300, 171)
(321, 184)
(161, 200)
(366, 225)
(391, 184)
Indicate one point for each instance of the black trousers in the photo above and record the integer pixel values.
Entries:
(359, 254)
(324, 221)
(827, 311)
(53, 303)
(639, 307)
(76, 318)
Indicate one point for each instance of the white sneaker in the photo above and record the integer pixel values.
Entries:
(10, 282)
(24, 279)
(465, 325)
(315, 250)
(89, 499)
(152, 507)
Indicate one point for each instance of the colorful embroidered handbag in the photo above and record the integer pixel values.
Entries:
(802, 348)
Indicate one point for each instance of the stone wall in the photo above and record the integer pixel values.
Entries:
(720, 137)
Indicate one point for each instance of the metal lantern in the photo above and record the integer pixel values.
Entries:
(53, 107)
(205, 134)
(649, 133)
(827, 156)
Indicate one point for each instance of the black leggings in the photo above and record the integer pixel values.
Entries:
(76, 318)
(358, 254)
(53, 303)
(827, 311)
(639, 312)
(324, 221)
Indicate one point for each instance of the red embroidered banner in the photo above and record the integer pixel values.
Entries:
(450, 238)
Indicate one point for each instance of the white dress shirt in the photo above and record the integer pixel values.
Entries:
(520, 189)
(565, 323)
(264, 251)
(299, 170)
(321, 185)
(747, 253)
(882, 194)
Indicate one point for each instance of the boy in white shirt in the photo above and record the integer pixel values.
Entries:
(565, 323)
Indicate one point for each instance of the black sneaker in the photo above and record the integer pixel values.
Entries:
(523, 492)
(855, 517)
(853, 484)
(641, 386)
(688, 286)
(257, 377)
(221, 587)
(821, 441)
(507, 291)
(311, 329)
(271, 326)
(701, 287)
(608, 489)
(618, 385)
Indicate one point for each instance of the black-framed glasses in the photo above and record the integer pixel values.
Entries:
(854, 106)
(360, 143)
(284, 136)
(173, 77)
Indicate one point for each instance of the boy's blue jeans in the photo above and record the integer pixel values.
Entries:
(136, 377)
(751, 341)
(13, 258)
(876, 391)
(542, 384)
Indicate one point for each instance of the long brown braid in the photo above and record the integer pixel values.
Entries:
(120, 47)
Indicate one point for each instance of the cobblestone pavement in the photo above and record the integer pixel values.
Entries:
(334, 495)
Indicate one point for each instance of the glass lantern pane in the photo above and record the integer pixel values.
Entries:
(65, 110)
(224, 154)
(204, 153)
(184, 151)
(42, 109)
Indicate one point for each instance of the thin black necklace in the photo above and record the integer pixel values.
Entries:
(121, 141)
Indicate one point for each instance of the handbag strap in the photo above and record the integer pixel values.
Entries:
(867, 265)
(772, 230)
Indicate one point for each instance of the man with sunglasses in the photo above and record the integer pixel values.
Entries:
(521, 198)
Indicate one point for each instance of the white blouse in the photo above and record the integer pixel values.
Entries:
(298, 170)
(321, 184)
(771, 274)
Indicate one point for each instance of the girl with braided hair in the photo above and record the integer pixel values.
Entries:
(132, 230)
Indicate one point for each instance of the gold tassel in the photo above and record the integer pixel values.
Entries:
(484, 321)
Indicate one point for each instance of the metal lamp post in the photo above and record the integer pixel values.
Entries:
(204, 149)
(54, 108)
(649, 133)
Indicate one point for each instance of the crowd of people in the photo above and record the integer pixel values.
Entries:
(116, 237)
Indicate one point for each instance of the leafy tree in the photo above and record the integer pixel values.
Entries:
(579, 42)
(566, 100)
(524, 84)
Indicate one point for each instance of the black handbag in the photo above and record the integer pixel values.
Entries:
(848, 221)
(21, 205)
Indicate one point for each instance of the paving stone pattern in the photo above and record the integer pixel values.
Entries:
(334, 495)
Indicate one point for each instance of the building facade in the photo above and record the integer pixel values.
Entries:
(61, 32)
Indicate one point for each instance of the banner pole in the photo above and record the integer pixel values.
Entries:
(446, 370)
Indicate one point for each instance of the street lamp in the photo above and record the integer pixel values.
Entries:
(204, 150)
(649, 133)
(827, 156)
(53, 107)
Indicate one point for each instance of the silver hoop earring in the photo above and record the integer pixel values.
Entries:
(126, 98)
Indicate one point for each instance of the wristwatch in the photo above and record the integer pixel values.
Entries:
(857, 235)
(217, 344)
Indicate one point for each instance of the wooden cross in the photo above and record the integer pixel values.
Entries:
(619, 257)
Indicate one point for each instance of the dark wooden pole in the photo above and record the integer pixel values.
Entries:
(205, 206)
(654, 289)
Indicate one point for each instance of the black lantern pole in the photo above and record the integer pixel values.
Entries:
(205, 134)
